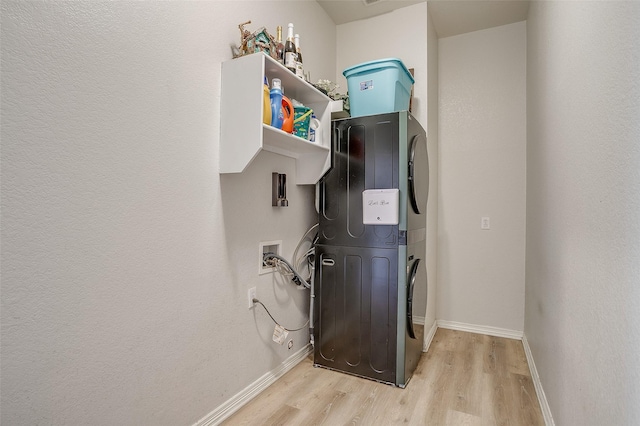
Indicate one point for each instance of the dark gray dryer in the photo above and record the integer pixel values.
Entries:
(367, 275)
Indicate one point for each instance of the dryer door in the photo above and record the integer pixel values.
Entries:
(418, 174)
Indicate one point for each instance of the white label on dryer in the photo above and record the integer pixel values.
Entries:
(380, 206)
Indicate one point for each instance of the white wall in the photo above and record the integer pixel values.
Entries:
(434, 167)
(405, 36)
(482, 134)
(583, 208)
(126, 258)
(399, 34)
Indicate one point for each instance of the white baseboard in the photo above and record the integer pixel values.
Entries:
(542, 398)
(236, 402)
(481, 329)
(429, 337)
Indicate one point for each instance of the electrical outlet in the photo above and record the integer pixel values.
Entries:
(268, 247)
(252, 295)
(485, 223)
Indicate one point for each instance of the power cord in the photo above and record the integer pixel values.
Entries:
(286, 269)
(276, 322)
(305, 261)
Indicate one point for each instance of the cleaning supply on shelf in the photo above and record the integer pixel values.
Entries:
(287, 115)
(301, 121)
(314, 129)
(266, 102)
(275, 96)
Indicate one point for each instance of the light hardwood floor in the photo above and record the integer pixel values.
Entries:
(464, 379)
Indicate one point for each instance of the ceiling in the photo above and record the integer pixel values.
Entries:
(450, 17)
(343, 11)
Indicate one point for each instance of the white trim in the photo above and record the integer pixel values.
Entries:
(236, 402)
(418, 320)
(481, 329)
(426, 344)
(542, 398)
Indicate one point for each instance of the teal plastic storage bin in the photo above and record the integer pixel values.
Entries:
(378, 87)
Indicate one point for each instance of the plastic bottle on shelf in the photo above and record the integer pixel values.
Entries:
(266, 102)
(275, 96)
(288, 115)
(314, 129)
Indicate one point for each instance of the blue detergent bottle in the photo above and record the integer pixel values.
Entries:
(276, 103)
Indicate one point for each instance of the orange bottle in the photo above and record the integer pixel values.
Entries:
(288, 115)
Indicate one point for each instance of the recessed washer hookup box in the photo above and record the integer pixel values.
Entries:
(380, 206)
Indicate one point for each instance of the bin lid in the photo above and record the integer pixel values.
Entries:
(378, 63)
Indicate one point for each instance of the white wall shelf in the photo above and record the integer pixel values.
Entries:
(242, 133)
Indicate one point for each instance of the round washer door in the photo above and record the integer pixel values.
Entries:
(418, 174)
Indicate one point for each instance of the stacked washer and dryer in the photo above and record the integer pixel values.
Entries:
(367, 273)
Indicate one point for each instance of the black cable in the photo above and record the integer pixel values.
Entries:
(274, 320)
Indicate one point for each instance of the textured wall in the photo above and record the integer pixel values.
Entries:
(126, 258)
(482, 133)
(434, 167)
(583, 208)
(361, 41)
